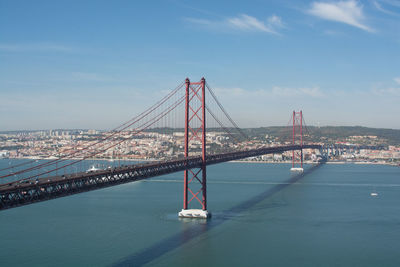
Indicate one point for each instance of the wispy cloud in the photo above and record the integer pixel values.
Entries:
(41, 47)
(278, 91)
(249, 23)
(378, 6)
(349, 12)
(389, 91)
(243, 23)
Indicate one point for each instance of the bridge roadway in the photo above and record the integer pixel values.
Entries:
(26, 192)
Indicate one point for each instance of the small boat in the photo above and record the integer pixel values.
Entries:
(374, 194)
(92, 169)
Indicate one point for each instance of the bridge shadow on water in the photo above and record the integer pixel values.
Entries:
(195, 230)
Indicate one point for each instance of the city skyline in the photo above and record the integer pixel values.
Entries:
(93, 65)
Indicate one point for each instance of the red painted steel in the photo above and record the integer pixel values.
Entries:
(195, 114)
(297, 157)
(204, 173)
(294, 115)
(185, 184)
(301, 136)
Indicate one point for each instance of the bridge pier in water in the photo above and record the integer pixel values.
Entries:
(194, 124)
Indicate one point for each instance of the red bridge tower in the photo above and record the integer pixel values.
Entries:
(297, 156)
(195, 180)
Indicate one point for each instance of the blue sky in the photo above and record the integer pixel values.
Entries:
(94, 64)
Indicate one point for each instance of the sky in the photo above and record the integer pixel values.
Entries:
(95, 64)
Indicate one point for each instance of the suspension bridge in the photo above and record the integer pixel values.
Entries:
(182, 109)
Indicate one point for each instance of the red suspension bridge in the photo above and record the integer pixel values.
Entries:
(204, 142)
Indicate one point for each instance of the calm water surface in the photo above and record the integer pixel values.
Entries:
(262, 216)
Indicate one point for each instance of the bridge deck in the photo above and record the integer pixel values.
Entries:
(25, 192)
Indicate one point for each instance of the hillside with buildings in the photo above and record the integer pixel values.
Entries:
(367, 144)
(333, 134)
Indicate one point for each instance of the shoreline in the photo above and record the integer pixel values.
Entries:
(110, 160)
(311, 162)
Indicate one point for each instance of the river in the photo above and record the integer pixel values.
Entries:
(262, 216)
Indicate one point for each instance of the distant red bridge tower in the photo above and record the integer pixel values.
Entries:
(297, 156)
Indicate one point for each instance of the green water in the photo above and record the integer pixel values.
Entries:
(260, 218)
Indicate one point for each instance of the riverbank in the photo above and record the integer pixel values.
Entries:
(312, 162)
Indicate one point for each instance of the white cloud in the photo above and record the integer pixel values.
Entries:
(389, 91)
(275, 21)
(45, 47)
(249, 23)
(314, 92)
(243, 22)
(349, 12)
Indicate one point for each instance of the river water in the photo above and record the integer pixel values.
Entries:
(262, 216)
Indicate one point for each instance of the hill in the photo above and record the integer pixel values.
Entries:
(355, 134)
